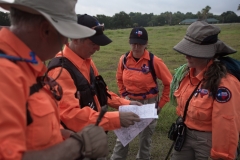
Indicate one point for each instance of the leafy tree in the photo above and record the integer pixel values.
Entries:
(205, 12)
(231, 17)
(178, 17)
(106, 20)
(121, 20)
(199, 15)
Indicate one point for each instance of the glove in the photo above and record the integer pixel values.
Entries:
(94, 141)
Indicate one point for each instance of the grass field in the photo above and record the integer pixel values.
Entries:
(161, 41)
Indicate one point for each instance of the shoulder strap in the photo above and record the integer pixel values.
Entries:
(125, 59)
(65, 63)
(187, 103)
(33, 89)
(70, 67)
(151, 66)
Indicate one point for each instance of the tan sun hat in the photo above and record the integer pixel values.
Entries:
(201, 41)
(60, 13)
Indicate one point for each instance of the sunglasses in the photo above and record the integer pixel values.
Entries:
(52, 85)
(99, 28)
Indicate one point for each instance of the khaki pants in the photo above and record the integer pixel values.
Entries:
(197, 146)
(120, 152)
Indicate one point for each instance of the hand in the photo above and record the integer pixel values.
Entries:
(135, 103)
(95, 144)
(128, 118)
(159, 110)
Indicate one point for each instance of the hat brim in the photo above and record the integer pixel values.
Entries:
(203, 51)
(195, 50)
(67, 28)
(137, 41)
(101, 40)
(223, 49)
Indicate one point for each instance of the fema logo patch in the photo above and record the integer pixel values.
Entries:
(223, 95)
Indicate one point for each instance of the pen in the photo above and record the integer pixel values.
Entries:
(102, 112)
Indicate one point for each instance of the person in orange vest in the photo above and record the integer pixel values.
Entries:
(80, 104)
(212, 114)
(137, 74)
(30, 123)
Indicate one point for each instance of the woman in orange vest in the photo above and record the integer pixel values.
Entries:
(212, 114)
(137, 76)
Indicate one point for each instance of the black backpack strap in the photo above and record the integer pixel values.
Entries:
(125, 59)
(72, 70)
(33, 89)
(151, 66)
(74, 73)
(65, 63)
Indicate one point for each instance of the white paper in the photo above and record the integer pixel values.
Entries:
(146, 112)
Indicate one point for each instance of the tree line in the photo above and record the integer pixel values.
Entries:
(134, 19)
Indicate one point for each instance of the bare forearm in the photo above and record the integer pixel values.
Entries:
(69, 149)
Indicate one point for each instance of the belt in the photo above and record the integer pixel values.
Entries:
(195, 130)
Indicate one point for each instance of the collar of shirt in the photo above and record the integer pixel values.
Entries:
(144, 56)
(83, 65)
(13, 46)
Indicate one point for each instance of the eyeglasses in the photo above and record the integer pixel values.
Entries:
(99, 28)
(52, 85)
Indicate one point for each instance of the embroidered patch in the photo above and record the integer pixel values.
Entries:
(139, 33)
(223, 95)
(203, 92)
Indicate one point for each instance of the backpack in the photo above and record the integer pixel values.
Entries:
(232, 65)
(150, 64)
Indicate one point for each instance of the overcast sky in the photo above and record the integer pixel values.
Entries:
(110, 7)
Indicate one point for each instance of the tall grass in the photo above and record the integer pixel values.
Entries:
(161, 41)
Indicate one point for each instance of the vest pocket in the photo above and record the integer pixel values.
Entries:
(40, 131)
(200, 108)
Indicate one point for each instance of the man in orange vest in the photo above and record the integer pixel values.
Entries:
(29, 122)
(80, 104)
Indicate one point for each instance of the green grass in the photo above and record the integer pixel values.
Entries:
(161, 41)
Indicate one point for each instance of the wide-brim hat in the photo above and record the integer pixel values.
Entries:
(99, 38)
(60, 13)
(201, 41)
